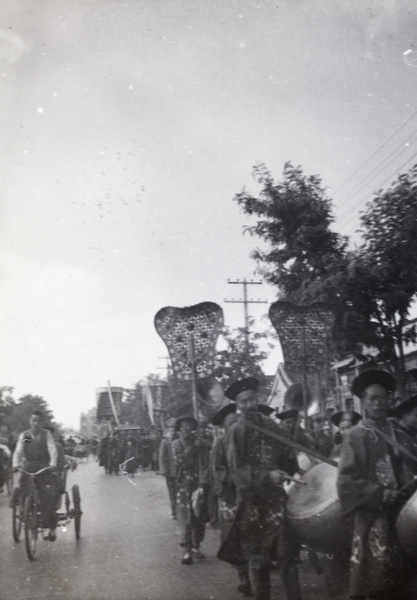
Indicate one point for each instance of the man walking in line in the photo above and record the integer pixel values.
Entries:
(376, 463)
(167, 463)
(257, 463)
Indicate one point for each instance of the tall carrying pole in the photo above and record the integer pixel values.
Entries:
(116, 418)
(193, 378)
(304, 362)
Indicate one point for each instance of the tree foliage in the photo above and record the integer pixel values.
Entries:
(371, 288)
(294, 218)
(239, 359)
(16, 413)
(386, 264)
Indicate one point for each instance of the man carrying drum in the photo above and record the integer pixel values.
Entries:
(376, 464)
(257, 464)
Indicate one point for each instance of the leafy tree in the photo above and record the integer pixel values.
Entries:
(294, 219)
(18, 413)
(238, 360)
(371, 288)
(384, 268)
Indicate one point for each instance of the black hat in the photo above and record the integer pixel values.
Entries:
(190, 418)
(403, 408)
(219, 417)
(370, 377)
(264, 409)
(288, 414)
(249, 383)
(346, 415)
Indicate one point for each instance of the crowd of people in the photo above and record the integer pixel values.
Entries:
(236, 472)
(239, 480)
(126, 450)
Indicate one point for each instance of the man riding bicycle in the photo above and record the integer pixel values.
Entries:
(36, 450)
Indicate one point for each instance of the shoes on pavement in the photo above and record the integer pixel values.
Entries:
(197, 553)
(245, 587)
(51, 537)
(187, 559)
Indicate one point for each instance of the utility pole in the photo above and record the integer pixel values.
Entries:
(245, 303)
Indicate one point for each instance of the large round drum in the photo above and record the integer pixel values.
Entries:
(407, 528)
(315, 514)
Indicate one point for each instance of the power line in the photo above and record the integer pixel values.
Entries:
(383, 183)
(377, 170)
(376, 152)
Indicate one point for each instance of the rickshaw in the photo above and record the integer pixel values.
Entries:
(26, 512)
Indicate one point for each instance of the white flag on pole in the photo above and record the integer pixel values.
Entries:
(148, 399)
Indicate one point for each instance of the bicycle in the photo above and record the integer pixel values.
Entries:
(30, 516)
(26, 512)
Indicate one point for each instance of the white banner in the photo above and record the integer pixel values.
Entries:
(148, 399)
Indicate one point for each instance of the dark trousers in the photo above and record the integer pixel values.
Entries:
(193, 533)
(48, 496)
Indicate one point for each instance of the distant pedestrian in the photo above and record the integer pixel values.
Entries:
(167, 463)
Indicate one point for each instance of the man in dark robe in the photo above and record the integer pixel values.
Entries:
(225, 489)
(374, 466)
(257, 462)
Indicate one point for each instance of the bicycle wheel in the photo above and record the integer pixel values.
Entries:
(76, 499)
(30, 519)
(16, 514)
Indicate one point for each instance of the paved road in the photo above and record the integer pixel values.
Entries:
(129, 549)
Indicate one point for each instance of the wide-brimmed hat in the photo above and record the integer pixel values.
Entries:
(287, 414)
(346, 415)
(403, 408)
(371, 377)
(183, 418)
(249, 383)
(219, 417)
(266, 410)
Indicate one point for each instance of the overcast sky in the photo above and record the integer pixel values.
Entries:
(126, 130)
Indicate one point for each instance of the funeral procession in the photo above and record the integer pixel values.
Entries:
(208, 332)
